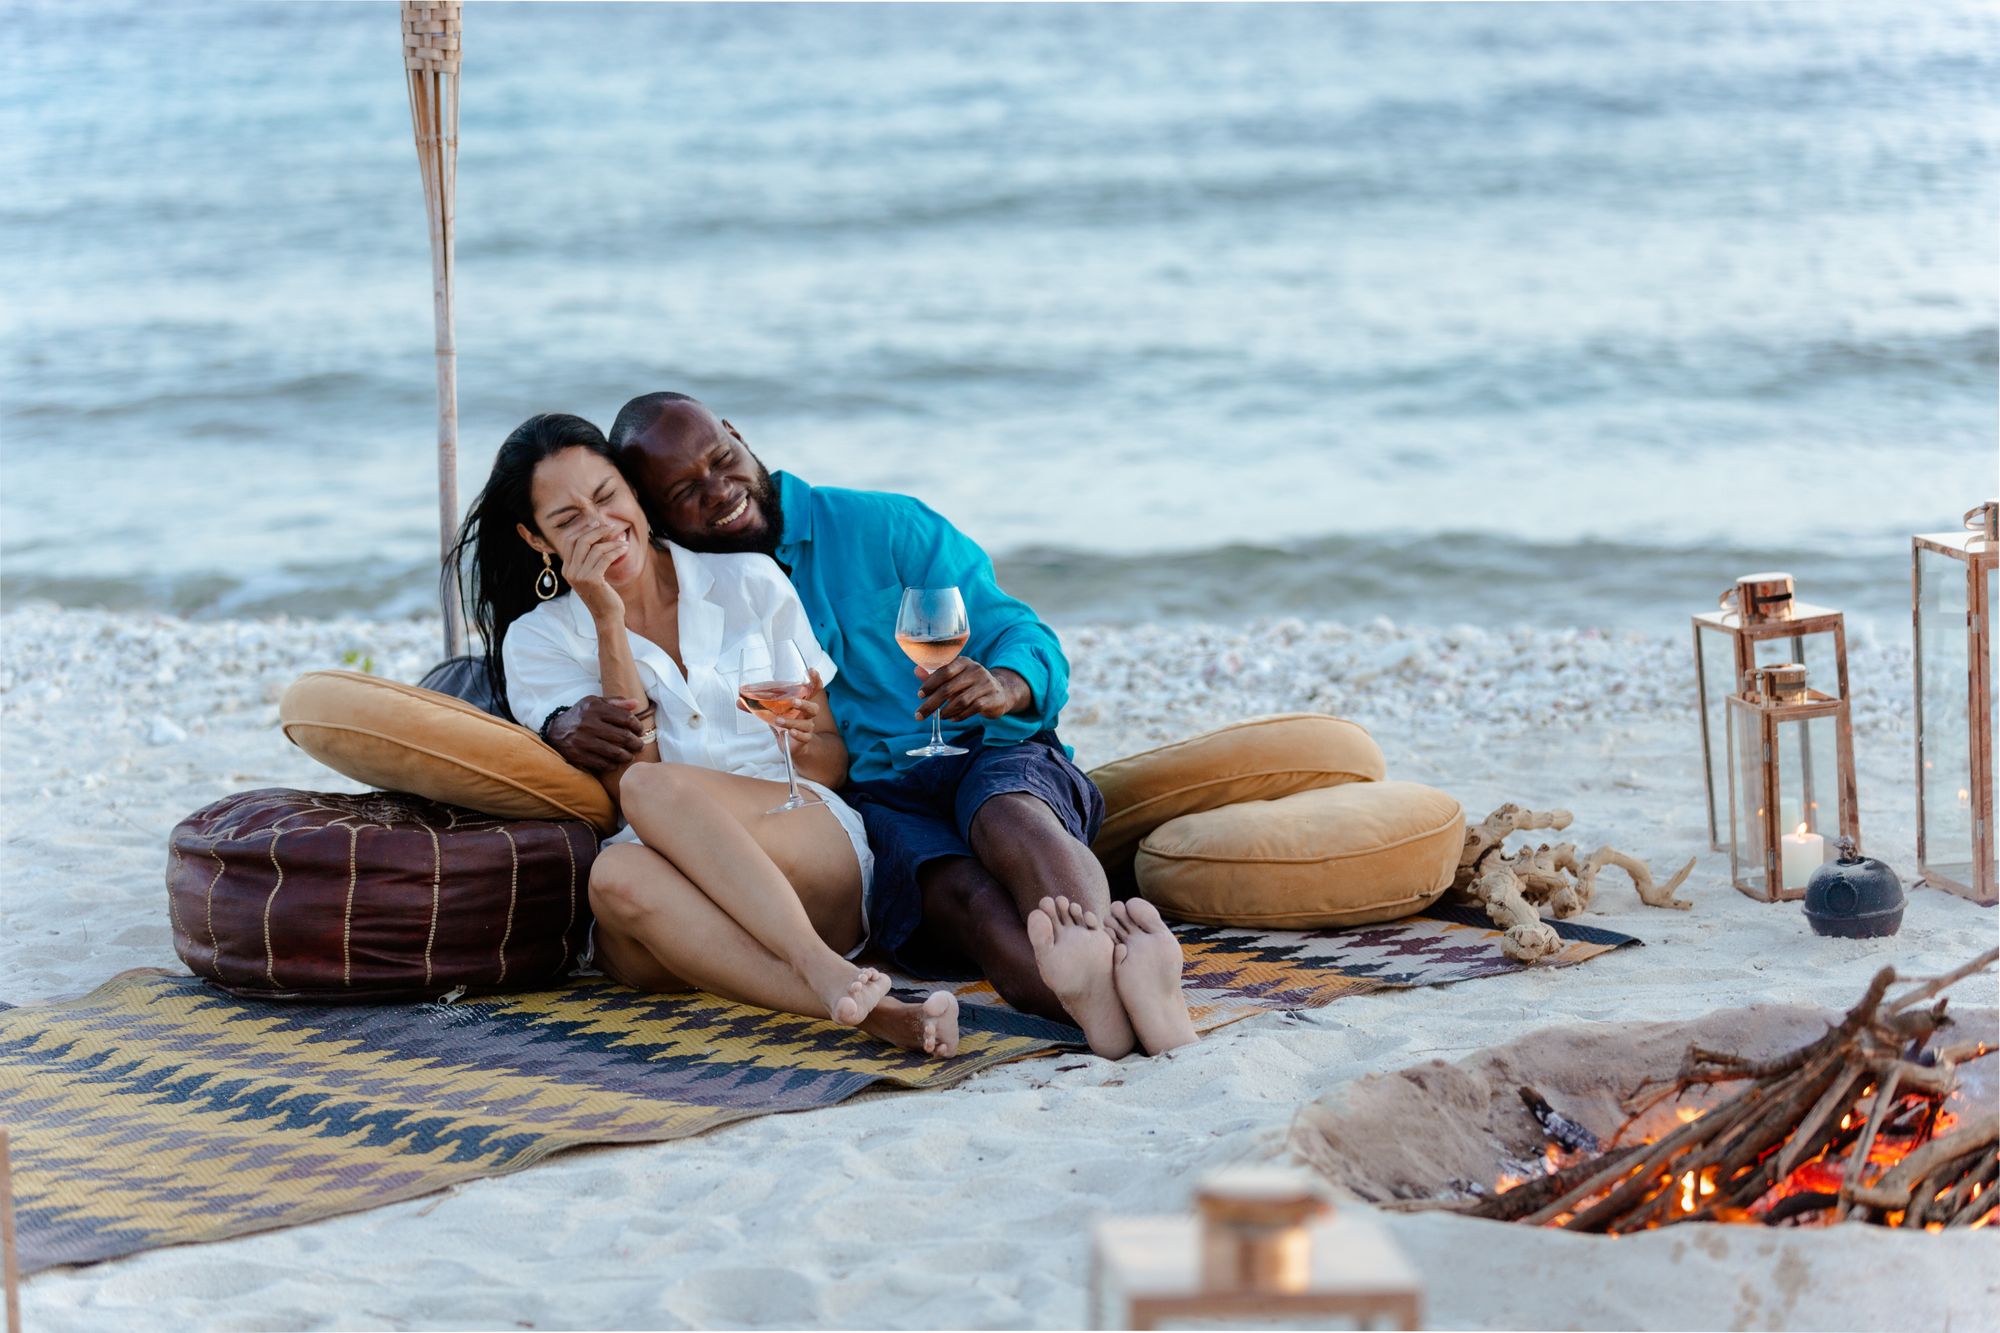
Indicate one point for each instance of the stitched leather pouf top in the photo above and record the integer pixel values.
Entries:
(377, 896)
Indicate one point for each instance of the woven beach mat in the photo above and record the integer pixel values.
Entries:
(159, 1111)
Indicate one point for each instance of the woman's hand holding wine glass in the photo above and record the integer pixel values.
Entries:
(774, 683)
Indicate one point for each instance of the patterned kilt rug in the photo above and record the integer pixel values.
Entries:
(156, 1110)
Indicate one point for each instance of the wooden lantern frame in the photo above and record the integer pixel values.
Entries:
(1978, 550)
(1767, 713)
(1800, 621)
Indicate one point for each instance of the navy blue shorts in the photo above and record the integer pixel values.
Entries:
(925, 813)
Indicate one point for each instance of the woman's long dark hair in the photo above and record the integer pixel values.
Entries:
(496, 569)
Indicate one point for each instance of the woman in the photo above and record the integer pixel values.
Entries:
(702, 889)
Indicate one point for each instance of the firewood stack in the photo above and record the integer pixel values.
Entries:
(1854, 1124)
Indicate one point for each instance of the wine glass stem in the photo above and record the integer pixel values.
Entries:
(937, 731)
(791, 778)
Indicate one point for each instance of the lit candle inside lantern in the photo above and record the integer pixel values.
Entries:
(1804, 853)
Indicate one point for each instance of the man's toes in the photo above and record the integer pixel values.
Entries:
(1089, 921)
(1042, 927)
(1143, 915)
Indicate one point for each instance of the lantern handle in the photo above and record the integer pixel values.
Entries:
(1984, 519)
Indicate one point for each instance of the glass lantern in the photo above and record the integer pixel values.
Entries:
(1758, 623)
(1952, 597)
(1791, 782)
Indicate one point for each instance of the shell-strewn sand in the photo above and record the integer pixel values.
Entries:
(973, 1206)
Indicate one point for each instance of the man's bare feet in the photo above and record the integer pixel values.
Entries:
(1147, 968)
(861, 994)
(930, 1027)
(1073, 952)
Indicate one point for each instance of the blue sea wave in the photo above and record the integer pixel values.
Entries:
(1116, 287)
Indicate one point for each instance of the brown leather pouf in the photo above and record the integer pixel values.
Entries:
(380, 896)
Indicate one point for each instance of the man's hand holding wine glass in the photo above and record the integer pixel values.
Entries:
(962, 688)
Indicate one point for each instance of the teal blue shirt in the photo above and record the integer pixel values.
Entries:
(851, 554)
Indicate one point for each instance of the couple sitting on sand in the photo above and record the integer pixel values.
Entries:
(621, 587)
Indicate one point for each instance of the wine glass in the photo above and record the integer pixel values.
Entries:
(772, 681)
(931, 629)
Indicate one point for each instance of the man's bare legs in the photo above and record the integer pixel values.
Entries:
(1034, 913)
(979, 907)
(657, 931)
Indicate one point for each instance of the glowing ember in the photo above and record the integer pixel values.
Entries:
(1811, 1193)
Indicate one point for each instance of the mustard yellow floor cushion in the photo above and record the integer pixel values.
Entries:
(402, 738)
(1257, 760)
(1334, 856)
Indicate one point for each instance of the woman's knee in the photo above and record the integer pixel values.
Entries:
(620, 887)
(659, 786)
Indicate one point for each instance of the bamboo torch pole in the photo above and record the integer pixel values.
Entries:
(12, 1269)
(431, 30)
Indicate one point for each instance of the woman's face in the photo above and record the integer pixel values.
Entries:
(578, 496)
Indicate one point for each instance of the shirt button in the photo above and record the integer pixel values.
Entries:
(695, 720)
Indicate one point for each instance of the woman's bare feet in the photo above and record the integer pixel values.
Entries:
(1146, 964)
(940, 1013)
(1073, 952)
(861, 992)
(930, 1027)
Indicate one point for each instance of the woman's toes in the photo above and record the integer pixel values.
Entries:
(941, 1025)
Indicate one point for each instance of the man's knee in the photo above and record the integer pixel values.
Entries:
(1018, 832)
(1016, 815)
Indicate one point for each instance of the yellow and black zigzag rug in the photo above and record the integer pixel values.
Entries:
(157, 1110)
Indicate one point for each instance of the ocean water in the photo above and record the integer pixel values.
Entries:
(1555, 313)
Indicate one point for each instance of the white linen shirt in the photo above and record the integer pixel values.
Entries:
(725, 601)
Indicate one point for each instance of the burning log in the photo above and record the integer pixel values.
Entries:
(1854, 1123)
(1560, 1130)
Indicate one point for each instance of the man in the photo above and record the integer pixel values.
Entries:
(982, 858)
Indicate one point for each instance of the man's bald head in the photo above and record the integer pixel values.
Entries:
(698, 481)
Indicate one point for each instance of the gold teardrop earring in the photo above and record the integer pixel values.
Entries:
(546, 583)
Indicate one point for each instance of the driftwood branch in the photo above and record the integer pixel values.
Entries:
(1515, 887)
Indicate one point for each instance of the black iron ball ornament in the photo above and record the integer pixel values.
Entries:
(1855, 897)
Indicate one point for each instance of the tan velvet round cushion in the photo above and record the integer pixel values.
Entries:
(1335, 856)
(1257, 760)
(402, 738)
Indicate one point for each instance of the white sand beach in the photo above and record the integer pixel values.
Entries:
(972, 1206)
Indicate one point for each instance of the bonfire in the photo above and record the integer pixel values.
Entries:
(1869, 1122)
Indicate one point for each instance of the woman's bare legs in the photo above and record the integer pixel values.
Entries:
(682, 813)
(656, 931)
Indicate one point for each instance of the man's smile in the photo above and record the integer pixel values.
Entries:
(735, 515)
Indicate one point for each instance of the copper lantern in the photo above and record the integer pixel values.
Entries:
(1951, 599)
(1264, 1247)
(1790, 756)
(1757, 623)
